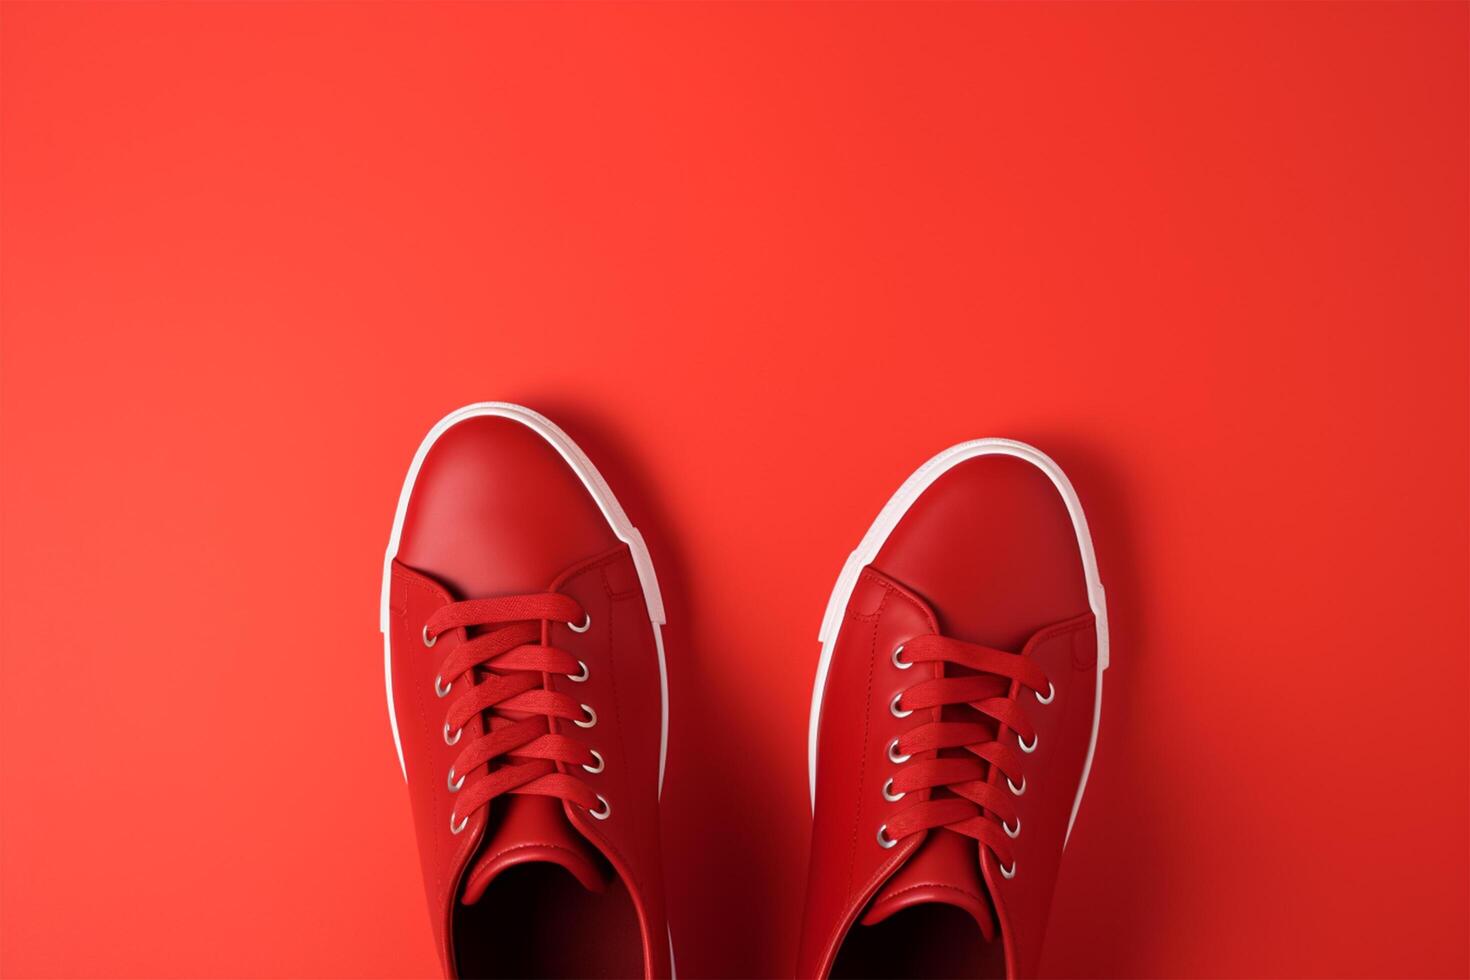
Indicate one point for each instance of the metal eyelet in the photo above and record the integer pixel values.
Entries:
(429, 640)
(1007, 873)
(603, 813)
(601, 762)
(579, 678)
(893, 755)
(884, 841)
(457, 733)
(1016, 790)
(900, 664)
(591, 718)
(454, 784)
(1012, 834)
(1028, 749)
(440, 688)
(896, 711)
(888, 793)
(453, 828)
(586, 625)
(1051, 694)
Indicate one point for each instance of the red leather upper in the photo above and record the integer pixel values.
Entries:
(991, 547)
(847, 864)
(986, 555)
(496, 511)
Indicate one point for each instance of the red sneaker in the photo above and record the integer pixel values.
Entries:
(528, 698)
(953, 721)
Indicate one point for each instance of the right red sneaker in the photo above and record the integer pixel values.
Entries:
(953, 721)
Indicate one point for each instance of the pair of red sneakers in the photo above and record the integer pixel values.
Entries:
(953, 719)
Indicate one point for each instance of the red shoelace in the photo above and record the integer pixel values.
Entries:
(502, 674)
(963, 800)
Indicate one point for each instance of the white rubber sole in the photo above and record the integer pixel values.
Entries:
(888, 518)
(610, 508)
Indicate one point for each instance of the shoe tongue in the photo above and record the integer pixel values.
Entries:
(945, 870)
(534, 829)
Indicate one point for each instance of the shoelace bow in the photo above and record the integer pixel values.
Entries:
(995, 679)
(506, 669)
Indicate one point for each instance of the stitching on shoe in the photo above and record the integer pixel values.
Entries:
(863, 758)
(936, 884)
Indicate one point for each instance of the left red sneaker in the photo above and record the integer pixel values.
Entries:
(953, 722)
(527, 694)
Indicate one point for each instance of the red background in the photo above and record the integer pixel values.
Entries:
(760, 261)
